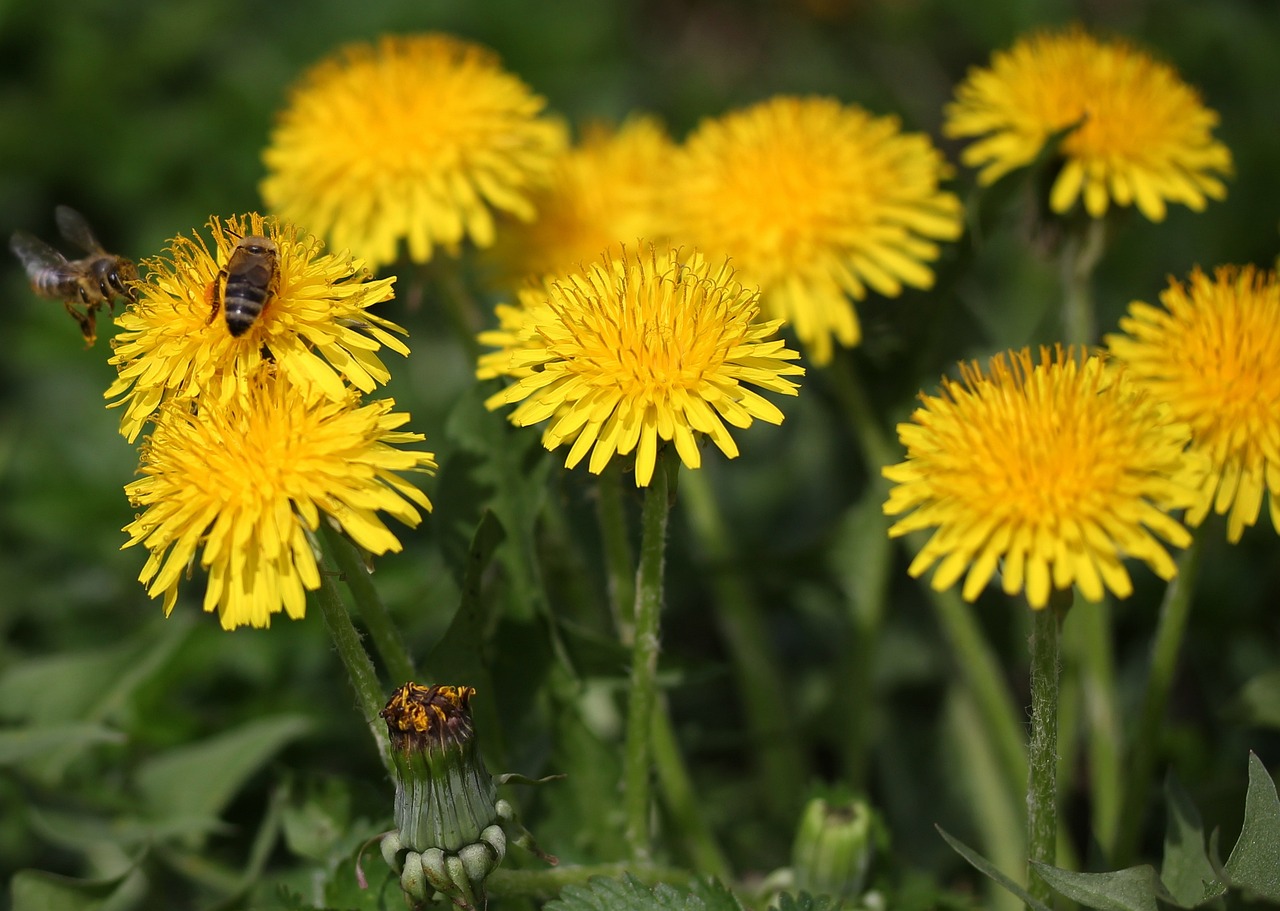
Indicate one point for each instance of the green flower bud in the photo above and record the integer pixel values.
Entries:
(834, 847)
(445, 798)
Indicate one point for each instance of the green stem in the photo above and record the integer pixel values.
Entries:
(682, 799)
(360, 671)
(1092, 651)
(746, 634)
(1080, 254)
(644, 656)
(1042, 784)
(542, 885)
(1170, 629)
(458, 304)
(974, 656)
(377, 620)
(619, 568)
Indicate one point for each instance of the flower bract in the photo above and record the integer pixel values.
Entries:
(1212, 353)
(1052, 472)
(1138, 135)
(315, 327)
(414, 138)
(239, 485)
(815, 202)
(639, 349)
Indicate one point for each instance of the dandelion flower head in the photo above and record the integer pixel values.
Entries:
(240, 484)
(815, 202)
(606, 191)
(415, 138)
(1052, 471)
(1141, 135)
(641, 348)
(1212, 353)
(315, 326)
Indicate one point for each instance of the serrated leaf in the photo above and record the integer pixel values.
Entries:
(628, 894)
(36, 890)
(1254, 863)
(982, 865)
(716, 895)
(1132, 889)
(1260, 698)
(18, 745)
(1186, 871)
(199, 780)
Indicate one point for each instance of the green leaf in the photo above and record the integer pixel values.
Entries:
(1134, 889)
(18, 745)
(629, 894)
(199, 780)
(1186, 871)
(982, 865)
(1254, 863)
(36, 890)
(80, 832)
(1260, 698)
(803, 902)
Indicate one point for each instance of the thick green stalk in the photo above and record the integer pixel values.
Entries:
(1081, 251)
(644, 657)
(1042, 783)
(742, 624)
(1093, 653)
(377, 619)
(619, 569)
(1170, 629)
(360, 671)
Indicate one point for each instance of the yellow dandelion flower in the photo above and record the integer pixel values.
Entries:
(243, 483)
(605, 192)
(416, 138)
(1143, 137)
(642, 348)
(315, 326)
(815, 202)
(1057, 470)
(1213, 354)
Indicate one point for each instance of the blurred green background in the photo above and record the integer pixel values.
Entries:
(149, 117)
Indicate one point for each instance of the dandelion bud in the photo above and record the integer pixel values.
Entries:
(834, 846)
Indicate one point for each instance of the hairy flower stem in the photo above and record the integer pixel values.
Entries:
(742, 624)
(377, 620)
(346, 639)
(1170, 629)
(619, 568)
(1042, 784)
(644, 655)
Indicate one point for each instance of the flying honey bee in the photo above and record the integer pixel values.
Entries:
(91, 282)
(249, 281)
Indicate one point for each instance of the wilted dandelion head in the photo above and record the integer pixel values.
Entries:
(1142, 135)
(415, 138)
(815, 202)
(1052, 472)
(236, 486)
(641, 348)
(315, 326)
(1212, 353)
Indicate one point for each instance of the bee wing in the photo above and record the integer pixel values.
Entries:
(34, 253)
(75, 228)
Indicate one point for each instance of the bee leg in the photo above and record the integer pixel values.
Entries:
(211, 295)
(86, 322)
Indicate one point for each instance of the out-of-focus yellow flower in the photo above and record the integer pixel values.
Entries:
(316, 325)
(638, 350)
(1052, 471)
(815, 202)
(239, 485)
(415, 138)
(1212, 353)
(608, 191)
(1143, 137)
